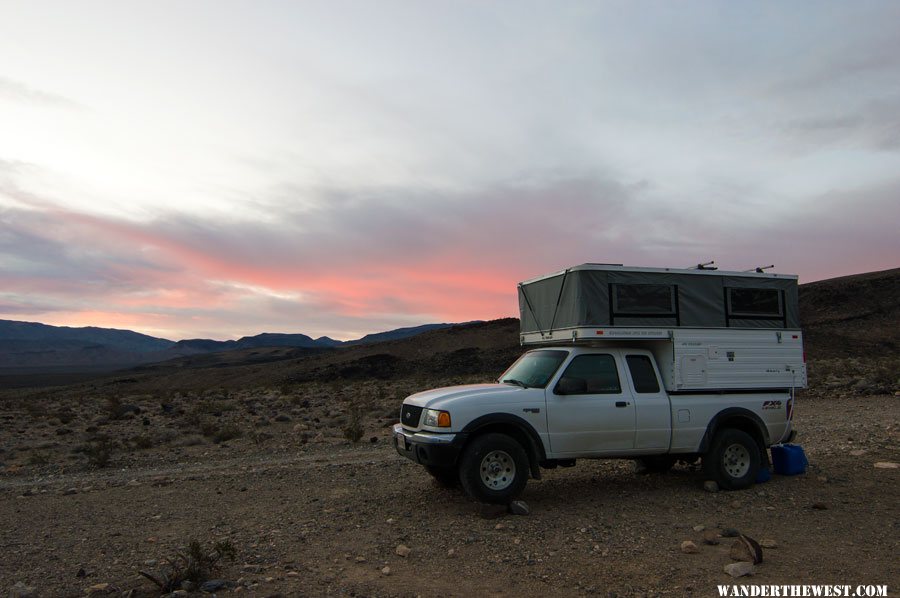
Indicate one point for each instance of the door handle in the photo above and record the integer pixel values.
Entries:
(621, 404)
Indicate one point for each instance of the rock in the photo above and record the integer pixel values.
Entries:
(213, 585)
(820, 506)
(402, 550)
(746, 549)
(282, 418)
(386, 571)
(857, 453)
(451, 552)
(739, 569)
(711, 537)
(360, 559)
(320, 437)
(519, 507)
(768, 543)
(82, 573)
(730, 532)
(735, 504)
(97, 588)
(69, 491)
(699, 528)
(188, 586)
(20, 590)
(373, 439)
(710, 486)
(688, 547)
(499, 526)
(133, 483)
(886, 465)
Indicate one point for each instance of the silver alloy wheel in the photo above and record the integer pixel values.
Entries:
(498, 470)
(736, 460)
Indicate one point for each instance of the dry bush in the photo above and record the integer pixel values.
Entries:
(354, 430)
(196, 564)
(226, 433)
(98, 451)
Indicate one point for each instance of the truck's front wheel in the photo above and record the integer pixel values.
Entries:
(733, 461)
(493, 468)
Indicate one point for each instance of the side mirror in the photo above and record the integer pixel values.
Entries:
(571, 386)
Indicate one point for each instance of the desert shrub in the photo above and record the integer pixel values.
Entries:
(99, 451)
(36, 409)
(226, 433)
(112, 408)
(195, 564)
(65, 416)
(37, 458)
(144, 441)
(216, 407)
(354, 431)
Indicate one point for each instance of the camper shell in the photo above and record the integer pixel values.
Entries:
(709, 330)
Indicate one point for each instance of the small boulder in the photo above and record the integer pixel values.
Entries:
(819, 506)
(402, 550)
(746, 549)
(699, 528)
(519, 507)
(768, 543)
(739, 569)
(710, 486)
(886, 465)
(711, 537)
(213, 585)
(730, 532)
(386, 571)
(688, 547)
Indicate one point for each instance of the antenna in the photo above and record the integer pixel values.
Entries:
(710, 265)
(760, 269)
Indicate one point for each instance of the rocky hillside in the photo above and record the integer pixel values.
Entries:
(852, 315)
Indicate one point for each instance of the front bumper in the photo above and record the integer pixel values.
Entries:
(428, 448)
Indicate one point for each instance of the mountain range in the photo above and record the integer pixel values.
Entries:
(34, 346)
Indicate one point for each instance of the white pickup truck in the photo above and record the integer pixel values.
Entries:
(653, 393)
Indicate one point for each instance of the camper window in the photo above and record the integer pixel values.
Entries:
(643, 299)
(754, 303)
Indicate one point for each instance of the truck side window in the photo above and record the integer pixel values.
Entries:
(642, 373)
(598, 373)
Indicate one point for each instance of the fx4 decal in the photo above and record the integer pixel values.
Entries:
(771, 405)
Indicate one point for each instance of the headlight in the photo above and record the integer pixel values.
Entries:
(436, 419)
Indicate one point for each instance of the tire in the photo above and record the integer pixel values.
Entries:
(446, 477)
(657, 463)
(494, 469)
(733, 460)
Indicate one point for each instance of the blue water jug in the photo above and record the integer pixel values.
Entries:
(789, 459)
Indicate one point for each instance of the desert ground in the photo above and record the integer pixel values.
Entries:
(303, 483)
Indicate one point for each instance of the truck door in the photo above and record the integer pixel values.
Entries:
(588, 410)
(653, 410)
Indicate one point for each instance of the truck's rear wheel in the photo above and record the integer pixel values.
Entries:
(733, 460)
(448, 477)
(493, 468)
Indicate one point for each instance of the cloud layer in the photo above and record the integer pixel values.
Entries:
(343, 171)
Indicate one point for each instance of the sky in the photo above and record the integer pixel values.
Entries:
(218, 169)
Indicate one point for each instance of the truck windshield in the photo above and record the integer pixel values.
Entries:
(534, 369)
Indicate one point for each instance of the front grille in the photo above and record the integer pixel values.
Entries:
(409, 415)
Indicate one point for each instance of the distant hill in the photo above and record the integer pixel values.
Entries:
(40, 347)
(852, 315)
